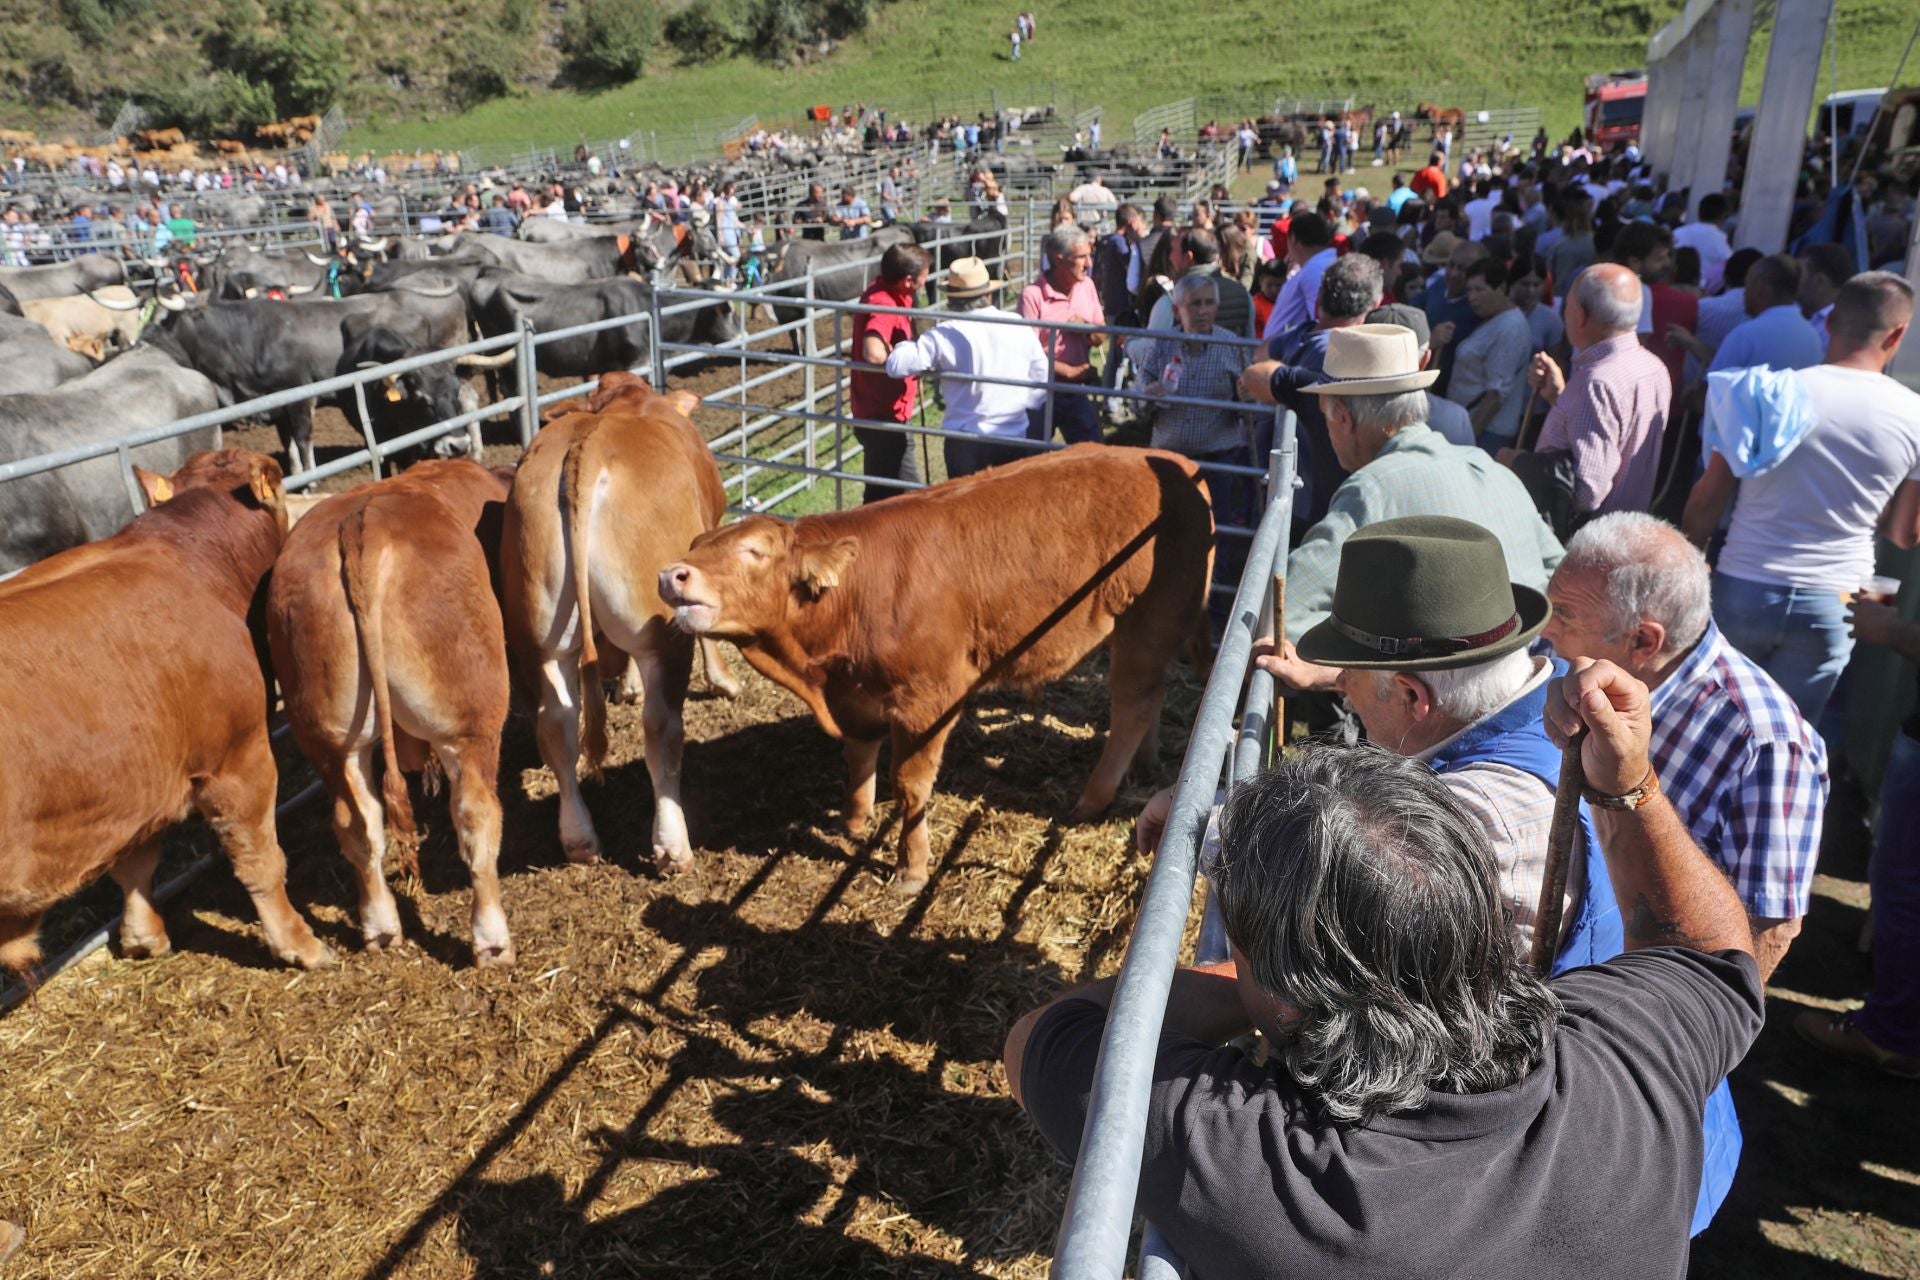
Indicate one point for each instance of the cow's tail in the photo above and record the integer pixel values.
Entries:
(576, 511)
(360, 566)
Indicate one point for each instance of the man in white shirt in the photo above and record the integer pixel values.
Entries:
(1705, 237)
(1479, 210)
(993, 412)
(1802, 535)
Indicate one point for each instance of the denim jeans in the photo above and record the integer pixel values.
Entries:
(964, 457)
(1073, 419)
(1799, 635)
(1891, 1018)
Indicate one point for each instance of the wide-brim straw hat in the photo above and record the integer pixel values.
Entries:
(969, 278)
(1372, 360)
(1424, 593)
(1440, 249)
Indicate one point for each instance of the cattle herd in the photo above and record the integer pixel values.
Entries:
(395, 623)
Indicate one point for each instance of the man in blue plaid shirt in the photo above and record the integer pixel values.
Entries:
(1745, 771)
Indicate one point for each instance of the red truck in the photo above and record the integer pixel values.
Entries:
(1615, 101)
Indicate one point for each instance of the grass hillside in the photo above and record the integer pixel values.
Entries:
(61, 60)
(1127, 55)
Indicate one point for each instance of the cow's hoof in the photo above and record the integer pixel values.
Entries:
(858, 824)
(586, 852)
(1085, 811)
(671, 862)
(316, 956)
(146, 948)
(500, 957)
(383, 940)
(907, 886)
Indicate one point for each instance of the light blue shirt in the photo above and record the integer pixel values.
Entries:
(1778, 337)
(1398, 197)
(1299, 295)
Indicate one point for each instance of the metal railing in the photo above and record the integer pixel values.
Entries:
(1099, 1215)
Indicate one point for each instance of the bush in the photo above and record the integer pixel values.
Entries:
(776, 27)
(300, 58)
(702, 31)
(843, 18)
(609, 40)
(205, 105)
(486, 65)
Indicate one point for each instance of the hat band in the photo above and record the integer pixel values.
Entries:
(1422, 646)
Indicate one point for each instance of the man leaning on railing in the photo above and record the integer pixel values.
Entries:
(1426, 1105)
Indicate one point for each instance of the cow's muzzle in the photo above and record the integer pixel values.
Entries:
(678, 585)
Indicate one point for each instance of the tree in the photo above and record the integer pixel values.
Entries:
(609, 40)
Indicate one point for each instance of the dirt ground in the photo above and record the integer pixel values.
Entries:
(768, 1065)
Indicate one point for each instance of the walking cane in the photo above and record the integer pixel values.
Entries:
(1526, 419)
(1560, 839)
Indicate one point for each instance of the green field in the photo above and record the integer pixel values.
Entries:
(1124, 56)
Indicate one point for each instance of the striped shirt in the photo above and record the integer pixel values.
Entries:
(1611, 417)
(1745, 772)
(1209, 370)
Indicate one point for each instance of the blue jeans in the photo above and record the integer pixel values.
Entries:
(1891, 1018)
(964, 457)
(1073, 419)
(1799, 635)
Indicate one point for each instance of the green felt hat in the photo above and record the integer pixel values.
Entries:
(1424, 593)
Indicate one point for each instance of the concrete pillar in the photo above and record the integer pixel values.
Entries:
(1906, 361)
(1661, 114)
(1794, 64)
(1694, 92)
(1723, 99)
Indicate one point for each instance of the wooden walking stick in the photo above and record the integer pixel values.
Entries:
(1526, 419)
(1561, 837)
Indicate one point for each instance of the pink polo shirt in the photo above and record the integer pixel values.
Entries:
(1041, 301)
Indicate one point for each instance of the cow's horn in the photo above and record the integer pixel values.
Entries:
(252, 293)
(376, 246)
(367, 364)
(172, 302)
(500, 361)
(113, 306)
(299, 288)
(316, 259)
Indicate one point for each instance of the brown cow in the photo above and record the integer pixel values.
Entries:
(386, 637)
(886, 618)
(602, 502)
(131, 696)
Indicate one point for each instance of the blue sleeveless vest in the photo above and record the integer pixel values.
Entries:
(1514, 736)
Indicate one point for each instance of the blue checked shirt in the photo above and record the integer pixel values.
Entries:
(1419, 474)
(1745, 772)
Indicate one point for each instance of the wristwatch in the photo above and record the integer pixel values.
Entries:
(1649, 788)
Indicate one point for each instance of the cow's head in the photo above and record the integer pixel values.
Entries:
(253, 478)
(738, 582)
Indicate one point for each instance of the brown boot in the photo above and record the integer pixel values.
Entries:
(1836, 1033)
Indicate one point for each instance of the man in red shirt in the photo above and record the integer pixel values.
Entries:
(887, 453)
(1430, 183)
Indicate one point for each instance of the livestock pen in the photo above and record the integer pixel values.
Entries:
(769, 1064)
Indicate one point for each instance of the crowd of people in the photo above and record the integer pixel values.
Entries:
(1571, 462)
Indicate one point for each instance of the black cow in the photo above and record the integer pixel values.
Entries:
(840, 269)
(252, 349)
(559, 306)
(570, 262)
(401, 403)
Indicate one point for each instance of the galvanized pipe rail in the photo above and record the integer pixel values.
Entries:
(1093, 1233)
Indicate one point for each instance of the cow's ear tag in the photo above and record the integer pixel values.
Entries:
(823, 567)
(395, 395)
(158, 488)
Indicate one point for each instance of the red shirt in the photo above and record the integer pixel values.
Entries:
(1282, 231)
(1673, 306)
(874, 394)
(1430, 183)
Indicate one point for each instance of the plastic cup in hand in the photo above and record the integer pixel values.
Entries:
(1880, 590)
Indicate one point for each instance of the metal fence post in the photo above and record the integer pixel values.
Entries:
(373, 448)
(528, 385)
(810, 347)
(655, 374)
(839, 422)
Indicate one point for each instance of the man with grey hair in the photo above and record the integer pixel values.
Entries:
(1408, 1047)
(1376, 405)
(1065, 292)
(1349, 290)
(1745, 771)
(1611, 415)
